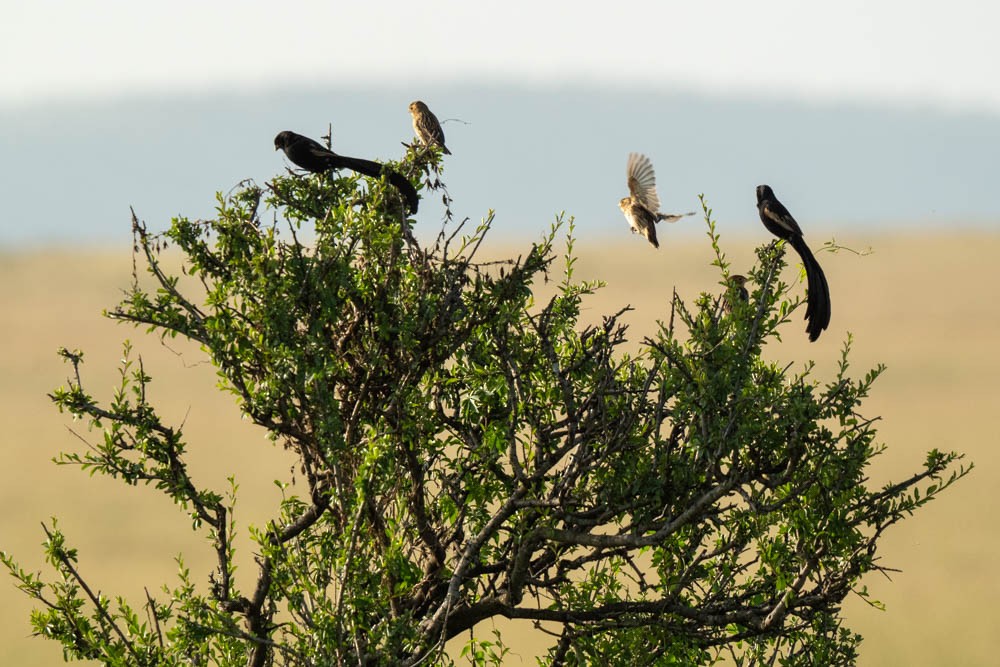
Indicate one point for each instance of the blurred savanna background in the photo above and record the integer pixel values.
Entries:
(872, 138)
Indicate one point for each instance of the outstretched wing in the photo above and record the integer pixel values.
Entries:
(642, 181)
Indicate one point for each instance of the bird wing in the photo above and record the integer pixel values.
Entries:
(777, 213)
(321, 152)
(642, 181)
(431, 127)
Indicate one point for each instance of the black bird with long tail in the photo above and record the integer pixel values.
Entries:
(313, 156)
(780, 222)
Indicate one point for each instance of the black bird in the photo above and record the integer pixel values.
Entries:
(780, 222)
(312, 156)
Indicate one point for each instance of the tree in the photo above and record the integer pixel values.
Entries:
(469, 451)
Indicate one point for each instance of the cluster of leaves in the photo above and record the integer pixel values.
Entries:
(469, 452)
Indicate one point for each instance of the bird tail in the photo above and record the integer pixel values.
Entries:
(818, 299)
(405, 188)
(672, 217)
(360, 165)
(375, 170)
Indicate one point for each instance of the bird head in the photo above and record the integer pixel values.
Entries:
(624, 203)
(282, 140)
(764, 192)
(737, 281)
(417, 106)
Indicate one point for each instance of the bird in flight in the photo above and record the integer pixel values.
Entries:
(313, 156)
(642, 206)
(427, 127)
(780, 222)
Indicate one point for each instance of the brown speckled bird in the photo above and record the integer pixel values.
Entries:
(427, 127)
(737, 289)
(642, 206)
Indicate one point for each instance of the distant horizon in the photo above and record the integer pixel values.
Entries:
(570, 83)
(526, 150)
(854, 238)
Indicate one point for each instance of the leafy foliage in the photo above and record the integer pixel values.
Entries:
(469, 452)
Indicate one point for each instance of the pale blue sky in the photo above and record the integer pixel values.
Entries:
(856, 112)
(940, 54)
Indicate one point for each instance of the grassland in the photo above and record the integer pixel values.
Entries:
(923, 305)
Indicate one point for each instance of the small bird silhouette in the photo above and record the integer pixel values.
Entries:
(427, 127)
(642, 206)
(780, 222)
(313, 156)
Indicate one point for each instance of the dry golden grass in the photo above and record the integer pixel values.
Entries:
(920, 304)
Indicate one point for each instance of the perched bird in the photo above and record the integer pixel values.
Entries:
(427, 127)
(313, 156)
(737, 289)
(642, 206)
(780, 222)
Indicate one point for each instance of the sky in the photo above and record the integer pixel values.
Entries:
(857, 113)
(941, 54)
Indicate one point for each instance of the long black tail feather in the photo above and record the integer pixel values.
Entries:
(818, 300)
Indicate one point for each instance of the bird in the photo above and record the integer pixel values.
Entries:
(427, 127)
(642, 206)
(737, 288)
(780, 222)
(312, 156)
